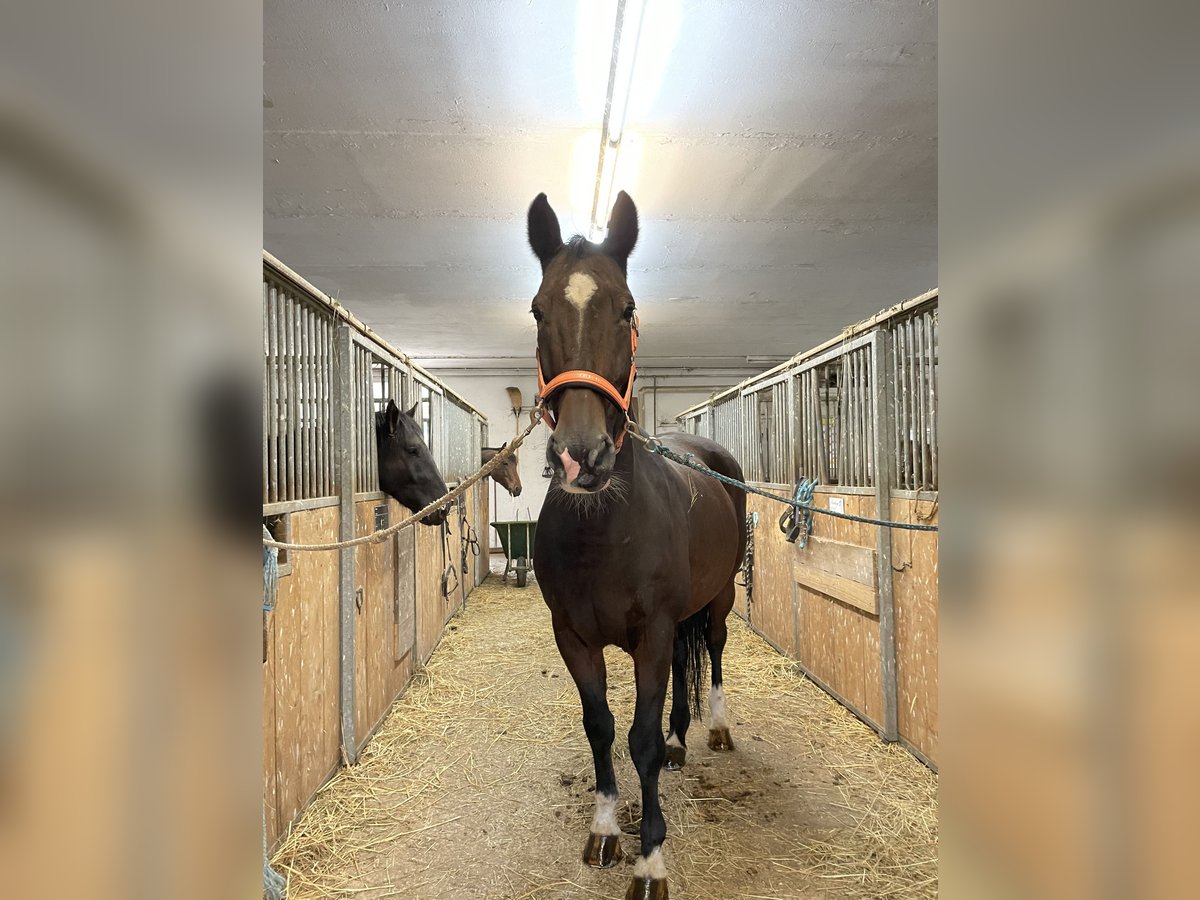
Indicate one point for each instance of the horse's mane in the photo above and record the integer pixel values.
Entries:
(578, 247)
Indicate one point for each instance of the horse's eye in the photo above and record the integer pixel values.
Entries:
(537, 314)
(414, 451)
(629, 311)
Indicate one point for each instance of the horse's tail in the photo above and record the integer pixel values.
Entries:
(692, 633)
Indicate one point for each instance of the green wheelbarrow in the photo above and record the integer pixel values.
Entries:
(517, 540)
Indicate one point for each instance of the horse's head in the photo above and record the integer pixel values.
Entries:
(508, 473)
(406, 467)
(586, 326)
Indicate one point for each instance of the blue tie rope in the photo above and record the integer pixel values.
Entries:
(797, 521)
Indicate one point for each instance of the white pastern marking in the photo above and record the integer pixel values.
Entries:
(716, 706)
(673, 741)
(652, 866)
(605, 819)
(580, 288)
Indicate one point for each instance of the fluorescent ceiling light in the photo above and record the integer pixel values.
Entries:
(624, 59)
(626, 33)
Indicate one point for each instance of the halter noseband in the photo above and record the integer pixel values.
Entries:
(584, 378)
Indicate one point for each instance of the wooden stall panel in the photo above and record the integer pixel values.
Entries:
(404, 614)
(473, 561)
(484, 529)
(772, 611)
(837, 623)
(453, 557)
(306, 660)
(846, 572)
(840, 646)
(362, 525)
(375, 577)
(270, 765)
(915, 588)
(431, 614)
(739, 598)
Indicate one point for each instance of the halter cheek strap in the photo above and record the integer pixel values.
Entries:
(584, 378)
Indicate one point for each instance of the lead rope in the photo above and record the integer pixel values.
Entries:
(448, 569)
(748, 565)
(654, 445)
(379, 537)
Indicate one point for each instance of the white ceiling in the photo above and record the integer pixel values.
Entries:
(787, 182)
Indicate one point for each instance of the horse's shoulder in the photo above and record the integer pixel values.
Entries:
(706, 451)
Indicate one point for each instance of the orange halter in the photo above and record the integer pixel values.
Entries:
(584, 378)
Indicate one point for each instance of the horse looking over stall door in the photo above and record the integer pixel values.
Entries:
(407, 471)
(632, 550)
(507, 474)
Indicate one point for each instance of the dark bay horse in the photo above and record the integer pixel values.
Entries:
(508, 473)
(632, 550)
(406, 467)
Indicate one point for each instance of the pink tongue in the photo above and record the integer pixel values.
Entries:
(570, 467)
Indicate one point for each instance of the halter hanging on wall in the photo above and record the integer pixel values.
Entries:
(594, 381)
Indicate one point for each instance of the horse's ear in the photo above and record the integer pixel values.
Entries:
(391, 417)
(545, 237)
(622, 230)
(412, 413)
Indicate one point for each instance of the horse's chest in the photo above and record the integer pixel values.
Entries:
(603, 590)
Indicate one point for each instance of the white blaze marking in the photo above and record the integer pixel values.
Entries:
(716, 707)
(605, 819)
(580, 288)
(673, 741)
(651, 866)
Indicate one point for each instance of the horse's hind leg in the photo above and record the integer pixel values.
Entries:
(586, 665)
(681, 714)
(718, 729)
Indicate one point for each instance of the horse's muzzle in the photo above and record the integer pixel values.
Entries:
(582, 466)
(437, 517)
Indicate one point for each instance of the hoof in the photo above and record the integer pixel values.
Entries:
(602, 850)
(676, 757)
(647, 889)
(719, 739)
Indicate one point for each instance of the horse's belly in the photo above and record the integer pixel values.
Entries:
(713, 540)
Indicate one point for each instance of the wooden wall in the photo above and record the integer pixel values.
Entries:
(915, 555)
(820, 607)
(300, 676)
(400, 616)
(771, 610)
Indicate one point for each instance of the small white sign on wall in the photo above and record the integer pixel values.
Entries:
(837, 504)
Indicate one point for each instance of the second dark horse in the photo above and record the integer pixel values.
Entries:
(632, 550)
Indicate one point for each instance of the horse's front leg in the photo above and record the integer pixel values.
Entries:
(586, 665)
(652, 663)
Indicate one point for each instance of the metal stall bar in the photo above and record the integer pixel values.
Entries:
(272, 398)
(881, 408)
(343, 392)
(266, 389)
(369, 428)
(902, 356)
(933, 399)
(912, 395)
(285, 397)
(305, 423)
(323, 430)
